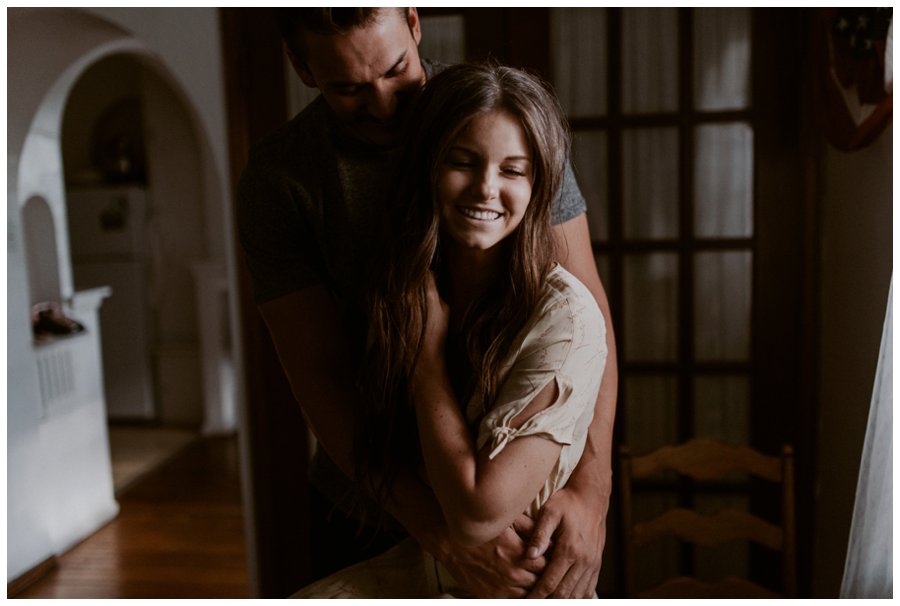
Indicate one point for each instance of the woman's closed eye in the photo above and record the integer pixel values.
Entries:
(515, 171)
(472, 163)
(459, 162)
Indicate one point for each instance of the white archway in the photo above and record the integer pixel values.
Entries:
(37, 170)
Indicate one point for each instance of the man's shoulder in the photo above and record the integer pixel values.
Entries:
(432, 67)
(288, 157)
(301, 137)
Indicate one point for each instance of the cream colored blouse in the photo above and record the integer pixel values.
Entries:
(564, 340)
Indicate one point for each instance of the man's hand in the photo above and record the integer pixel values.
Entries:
(576, 529)
(497, 569)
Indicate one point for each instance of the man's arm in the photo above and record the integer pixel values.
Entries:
(575, 517)
(311, 343)
(312, 346)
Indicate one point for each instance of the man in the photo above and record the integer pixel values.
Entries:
(308, 199)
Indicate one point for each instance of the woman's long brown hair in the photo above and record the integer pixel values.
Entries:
(386, 437)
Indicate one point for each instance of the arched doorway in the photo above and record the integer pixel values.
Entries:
(137, 223)
(134, 203)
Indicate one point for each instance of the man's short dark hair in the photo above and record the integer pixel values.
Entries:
(326, 21)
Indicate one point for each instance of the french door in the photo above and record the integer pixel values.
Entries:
(687, 147)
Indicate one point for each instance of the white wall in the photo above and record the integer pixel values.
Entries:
(857, 232)
(27, 535)
(36, 517)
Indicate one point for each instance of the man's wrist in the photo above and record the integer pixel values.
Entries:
(435, 540)
(413, 504)
(593, 489)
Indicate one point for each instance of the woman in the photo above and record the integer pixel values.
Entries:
(480, 345)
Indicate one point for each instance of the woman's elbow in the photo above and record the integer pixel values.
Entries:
(468, 536)
(470, 531)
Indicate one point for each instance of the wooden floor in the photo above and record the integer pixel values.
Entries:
(179, 534)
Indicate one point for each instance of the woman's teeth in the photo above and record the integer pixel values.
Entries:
(481, 215)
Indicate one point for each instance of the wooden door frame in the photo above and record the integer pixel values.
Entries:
(786, 305)
(275, 448)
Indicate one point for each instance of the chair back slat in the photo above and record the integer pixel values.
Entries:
(723, 527)
(707, 459)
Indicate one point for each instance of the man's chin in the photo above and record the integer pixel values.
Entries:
(377, 135)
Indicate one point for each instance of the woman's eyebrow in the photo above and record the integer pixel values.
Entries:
(468, 150)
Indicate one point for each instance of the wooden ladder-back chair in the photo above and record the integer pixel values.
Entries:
(706, 460)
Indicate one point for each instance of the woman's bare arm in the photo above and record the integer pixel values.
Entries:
(479, 495)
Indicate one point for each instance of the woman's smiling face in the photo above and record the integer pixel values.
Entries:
(484, 182)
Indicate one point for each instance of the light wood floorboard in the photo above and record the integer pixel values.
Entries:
(179, 534)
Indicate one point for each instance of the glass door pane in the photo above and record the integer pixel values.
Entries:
(723, 181)
(722, 58)
(653, 406)
(443, 38)
(650, 183)
(722, 408)
(722, 295)
(651, 307)
(649, 60)
(591, 169)
(579, 63)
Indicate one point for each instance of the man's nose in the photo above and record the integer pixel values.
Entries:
(382, 102)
